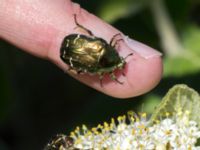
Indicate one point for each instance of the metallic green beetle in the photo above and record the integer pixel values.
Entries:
(91, 54)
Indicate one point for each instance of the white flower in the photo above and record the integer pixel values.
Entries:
(175, 133)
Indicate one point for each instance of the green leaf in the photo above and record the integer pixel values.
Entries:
(191, 39)
(149, 103)
(180, 65)
(112, 10)
(188, 60)
(179, 97)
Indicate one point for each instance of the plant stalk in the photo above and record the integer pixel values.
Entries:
(169, 38)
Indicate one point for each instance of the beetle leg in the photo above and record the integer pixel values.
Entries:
(116, 42)
(82, 27)
(113, 77)
(79, 71)
(71, 70)
(113, 38)
(128, 56)
(101, 79)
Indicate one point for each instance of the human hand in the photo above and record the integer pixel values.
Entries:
(38, 27)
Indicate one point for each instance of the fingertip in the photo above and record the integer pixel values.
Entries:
(143, 71)
(144, 75)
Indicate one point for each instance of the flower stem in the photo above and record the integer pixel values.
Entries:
(169, 38)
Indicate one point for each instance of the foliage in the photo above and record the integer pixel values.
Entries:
(180, 98)
(120, 9)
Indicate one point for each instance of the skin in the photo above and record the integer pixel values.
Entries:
(38, 27)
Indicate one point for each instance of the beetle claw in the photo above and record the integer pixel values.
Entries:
(128, 56)
(68, 69)
(113, 38)
(113, 77)
(117, 42)
(79, 72)
(101, 80)
(119, 81)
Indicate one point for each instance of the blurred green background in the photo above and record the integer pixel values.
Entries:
(37, 100)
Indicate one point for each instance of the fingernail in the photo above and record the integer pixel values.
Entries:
(142, 49)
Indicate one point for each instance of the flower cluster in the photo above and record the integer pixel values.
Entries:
(133, 132)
